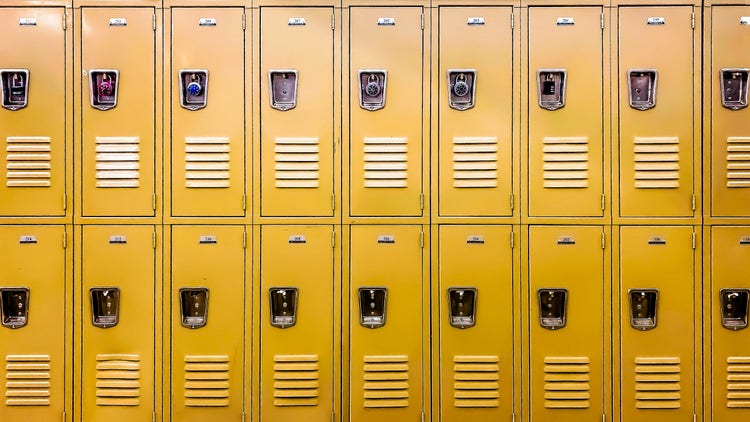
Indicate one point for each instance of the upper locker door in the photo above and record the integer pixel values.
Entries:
(566, 108)
(656, 124)
(386, 86)
(207, 294)
(568, 299)
(297, 323)
(118, 101)
(297, 111)
(729, 114)
(477, 316)
(33, 342)
(208, 112)
(32, 117)
(476, 111)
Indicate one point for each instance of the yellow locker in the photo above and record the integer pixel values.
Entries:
(207, 296)
(727, 310)
(657, 324)
(730, 136)
(566, 112)
(207, 111)
(118, 111)
(297, 139)
(298, 323)
(386, 325)
(33, 112)
(386, 118)
(569, 307)
(119, 313)
(475, 140)
(477, 320)
(34, 342)
(656, 114)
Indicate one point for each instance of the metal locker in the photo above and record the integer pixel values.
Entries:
(298, 323)
(118, 111)
(34, 337)
(477, 320)
(475, 138)
(208, 322)
(207, 131)
(119, 312)
(566, 129)
(569, 306)
(297, 139)
(387, 324)
(386, 111)
(33, 115)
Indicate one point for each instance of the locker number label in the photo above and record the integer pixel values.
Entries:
(118, 239)
(27, 239)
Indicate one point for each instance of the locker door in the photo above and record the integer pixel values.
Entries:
(386, 116)
(32, 125)
(119, 312)
(566, 105)
(657, 320)
(118, 111)
(477, 315)
(297, 323)
(386, 324)
(297, 110)
(32, 336)
(568, 305)
(208, 112)
(476, 129)
(656, 111)
(207, 294)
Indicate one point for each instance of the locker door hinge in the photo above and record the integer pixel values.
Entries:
(421, 201)
(693, 240)
(601, 20)
(692, 20)
(65, 201)
(604, 241)
(153, 24)
(244, 21)
(512, 20)
(512, 239)
(513, 417)
(153, 201)
(65, 240)
(243, 416)
(421, 21)
(333, 416)
(333, 201)
(604, 201)
(604, 418)
(422, 417)
(63, 415)
(65, 27)
(512, 202)
(333, 238)
(333, 21)
(153, 417)
(693, 203)
(244, 240)
(421, 239)
(153, 240)
(244, 201)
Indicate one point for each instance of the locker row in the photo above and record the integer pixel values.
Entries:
(545, 113)
(374, 322)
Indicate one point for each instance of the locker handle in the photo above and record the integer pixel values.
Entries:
(642, 88)
(103, 88)
(462, 305)
(283, 306)
(105, 306)
(14, 306)
(193, 88)
(734, 307)
(283, 90)
(643, 308)
(372, 86)
(551, 88)
(734, 88)
(552, 308)
(461, 88)
(372, 306)
(15, 88)
(194, 306)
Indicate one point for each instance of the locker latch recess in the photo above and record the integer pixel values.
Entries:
(14, 306)
(551, 85)
(461, 88)
(104, 86)
(193, 88)
(15, 88)
(283, 306)
(105, 306)
(734, 304)
(643, 304)
(372, 89)
(462, 301)
(372, 303)
(734, 88)
(283, 89)
(642, 88)
(552, 308)
(194, 306)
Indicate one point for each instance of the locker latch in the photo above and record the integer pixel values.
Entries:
(105, 306)
(551, 84)
(194, 306)
(15, 88)
(372, 303)
(283, 306)
(193, 88)
(283, 89)
(643, 308)
(461, 88)
(462, 302)
(642, 88)
(104, 86)
(734, 304)
(552, 308)
(14, 306)
(734, 88)
(372, 89)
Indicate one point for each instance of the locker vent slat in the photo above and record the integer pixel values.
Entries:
(118, 162)
(566, 382)
(738, 382)
(27, 380)
(657, 382)
(566, 162)
(476, 381)
(657, 163)
(738, 162)
(297, 162)
(206, 380)
(475, 162)
(207, 162)
(295, 380)
(118, 380)
(386, 162)
(386, 381)
(28, 162)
